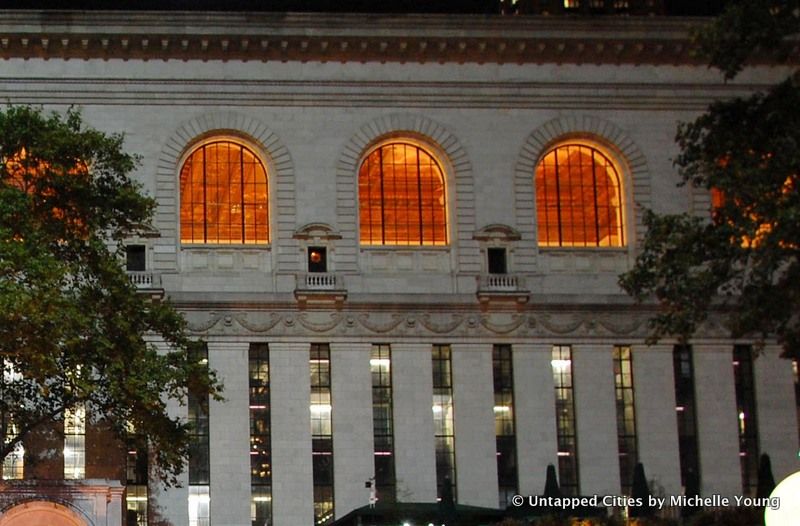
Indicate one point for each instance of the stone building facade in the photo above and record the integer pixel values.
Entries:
(486, 289)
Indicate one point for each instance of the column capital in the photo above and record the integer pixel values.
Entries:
(472, 347)
(411, 346)
(655, 348)
(710, 348)
(290, 346)
(228, 346)
(533, 347)
(351, 346)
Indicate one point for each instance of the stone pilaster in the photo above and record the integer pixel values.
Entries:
(535, 404)
(170, 504)
(229, 435)
(717, 427)
(776, 411)
(473, 395)
(353, 460)
(415, 446)
(656, 423)
(292, 479)
(596, 419)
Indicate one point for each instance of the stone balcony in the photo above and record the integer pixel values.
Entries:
(494, 288)
(321, 288)
(147, 282)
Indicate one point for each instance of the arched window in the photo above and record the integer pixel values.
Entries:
(578, 198)
(402, 197)
(224, 197)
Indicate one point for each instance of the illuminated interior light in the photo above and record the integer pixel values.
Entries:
(501, 409)
(321, 408)
(561, 364)
(380, 362)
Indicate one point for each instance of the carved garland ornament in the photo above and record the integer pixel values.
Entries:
(572, 324)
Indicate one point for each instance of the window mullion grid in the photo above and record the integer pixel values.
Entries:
(558, 200)
(626, 416)
(419, 197)
(205, 198)
(241, 192)
(594, 194)
(619, 210)
(383, 197)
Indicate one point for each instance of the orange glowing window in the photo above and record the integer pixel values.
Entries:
(35, 176)
(717, 198)
(402, 197)
(224, 197)
(578, 199)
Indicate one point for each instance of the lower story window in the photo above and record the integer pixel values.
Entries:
(199, 501)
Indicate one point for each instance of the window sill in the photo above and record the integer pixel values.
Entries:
(232, 246)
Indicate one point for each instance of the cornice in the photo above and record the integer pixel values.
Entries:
(346, 37)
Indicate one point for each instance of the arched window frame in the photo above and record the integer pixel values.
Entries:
(445, 169)
(259, 155)
(622, 172)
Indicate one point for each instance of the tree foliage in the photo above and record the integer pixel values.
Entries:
(748, 27)
(73, 330)
(742, 258)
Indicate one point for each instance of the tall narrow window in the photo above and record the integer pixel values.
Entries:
(136, 467)
(75, 442)
(260, 440)
(565, 420)
(199, 466)
(578, 199)
(746, 409)
(321, 432)
(224, 196)
(626, 416)
(401, 197)
(505, 435)
(443, 422)
(686, 413)
(380, 363)
(14, 462)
